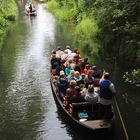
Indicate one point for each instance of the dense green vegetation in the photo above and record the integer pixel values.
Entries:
(8, 14)
(114, 24)
(133, 77)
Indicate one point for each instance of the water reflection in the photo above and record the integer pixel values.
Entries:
(26, 96)
(27, 108)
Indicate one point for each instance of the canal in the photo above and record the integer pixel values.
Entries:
(27, 108)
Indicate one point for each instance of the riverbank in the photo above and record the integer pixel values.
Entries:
(8, 15)
(83, 25)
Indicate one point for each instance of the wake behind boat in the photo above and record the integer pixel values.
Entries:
(83, 111)
(30, 10)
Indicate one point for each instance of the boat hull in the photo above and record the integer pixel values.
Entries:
(81, 127)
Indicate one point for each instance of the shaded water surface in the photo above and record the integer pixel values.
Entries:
(27, 108)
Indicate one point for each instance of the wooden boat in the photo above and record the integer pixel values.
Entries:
(27, 11)
(86, 122)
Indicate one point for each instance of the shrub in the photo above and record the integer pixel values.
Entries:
(133, 77)
(87, 28)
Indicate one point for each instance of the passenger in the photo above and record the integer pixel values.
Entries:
(59, 52)
(77, 98)
(91, 96)
(78, 53)
(84, 91)
(71, 76)
(85, 70)
(70, 92)
(64, 56)
(67, 70)
(89, 79)
(72, 86)
(76, 58)
(83, 80)
(77, 77)
(80, 65)
(54, 62)
(68, 49)
(72, 55)
(77, 68)
(70, 62)
(107, 90)
(96, 73)
(62, 84)
(52, 53)
(73, 64)
(67, 99)
(84, 62)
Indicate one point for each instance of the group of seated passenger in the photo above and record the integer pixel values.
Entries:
(75, 80)
(75, 76)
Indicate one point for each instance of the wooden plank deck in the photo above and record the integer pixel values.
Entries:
(97, 124)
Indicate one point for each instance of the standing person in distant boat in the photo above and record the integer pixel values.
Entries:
(107, 90)
(31, 8)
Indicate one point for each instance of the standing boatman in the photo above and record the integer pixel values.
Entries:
(107, 90)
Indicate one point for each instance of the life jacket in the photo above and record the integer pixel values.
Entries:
(105, 92)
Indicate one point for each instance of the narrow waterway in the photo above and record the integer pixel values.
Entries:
(27, 107)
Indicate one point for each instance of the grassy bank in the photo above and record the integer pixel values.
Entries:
(8, 14)
(85, 26)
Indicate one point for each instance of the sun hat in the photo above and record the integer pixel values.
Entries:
(67, 47)
(62, 72)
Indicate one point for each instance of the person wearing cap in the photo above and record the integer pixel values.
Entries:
(62, 84)
(107, 90)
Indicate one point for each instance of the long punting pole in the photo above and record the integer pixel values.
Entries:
(122, 122)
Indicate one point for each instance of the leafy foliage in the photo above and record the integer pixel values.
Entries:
(133, 77)
(63, 13)
(8, 14)
(86, 28)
